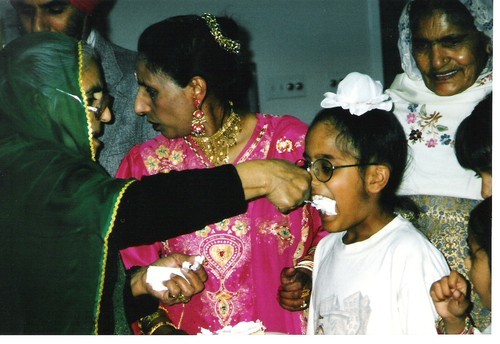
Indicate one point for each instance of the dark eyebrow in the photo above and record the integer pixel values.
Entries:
(461, 37)
(321, 156)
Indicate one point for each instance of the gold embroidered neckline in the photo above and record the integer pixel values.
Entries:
(216, 147)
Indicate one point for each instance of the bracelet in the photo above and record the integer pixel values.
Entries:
(305, 264)
(160, 324)
(468, 328)
(163, 309)
(146, 321)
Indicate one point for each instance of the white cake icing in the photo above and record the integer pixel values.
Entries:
(324, 204)
(241, 328)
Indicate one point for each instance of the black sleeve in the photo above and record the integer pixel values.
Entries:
(167, 205)
(140, 306)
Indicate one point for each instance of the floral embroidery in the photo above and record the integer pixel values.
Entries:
(240, 228)
(411, 118)
(284, 232)
(415, 135)
(222, 225)
(162, 152)
(412, 107)
(177, 157)
(204, 232)
(425, 127)
(431, 143)
(152, 164)
(279, 230)
(284, 145)
(162, 159)
(486, 79)
(446, 139)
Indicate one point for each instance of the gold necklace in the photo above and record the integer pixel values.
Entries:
(216, 147)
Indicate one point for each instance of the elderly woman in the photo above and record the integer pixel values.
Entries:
(446, 52)
(64, 218)
(190, 87)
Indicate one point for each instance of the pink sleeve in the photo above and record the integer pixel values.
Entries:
(141, 255)
(132, 166)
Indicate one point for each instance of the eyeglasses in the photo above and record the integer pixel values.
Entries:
(323, 168)
(104, 103)
(97, 111)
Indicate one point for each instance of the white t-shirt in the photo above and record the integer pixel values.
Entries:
(376, 286)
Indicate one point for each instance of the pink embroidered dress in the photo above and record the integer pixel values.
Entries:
(244, 254)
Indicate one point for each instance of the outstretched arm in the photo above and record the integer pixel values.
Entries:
(163, 206)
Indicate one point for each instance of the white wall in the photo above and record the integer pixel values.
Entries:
(312, 41)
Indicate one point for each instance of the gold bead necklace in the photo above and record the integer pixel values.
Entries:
(216, 147)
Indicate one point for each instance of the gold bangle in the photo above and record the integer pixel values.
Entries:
(163, 309)
(147, 320)
(160, 324)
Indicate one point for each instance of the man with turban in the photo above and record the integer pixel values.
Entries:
(75, 18)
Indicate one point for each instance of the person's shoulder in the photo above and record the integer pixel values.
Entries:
(123, 56)
(408, 236)
(400, 82)
(328, 242)
(283, 122)
(119, 50)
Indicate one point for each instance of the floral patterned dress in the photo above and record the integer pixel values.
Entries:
(244, 254)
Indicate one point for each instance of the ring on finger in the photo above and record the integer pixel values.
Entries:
(182, 298)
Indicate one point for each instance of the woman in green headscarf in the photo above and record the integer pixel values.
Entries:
(63, 218)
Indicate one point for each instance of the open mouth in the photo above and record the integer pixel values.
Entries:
(325, 205)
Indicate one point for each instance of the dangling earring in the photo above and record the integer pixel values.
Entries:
(197, 123)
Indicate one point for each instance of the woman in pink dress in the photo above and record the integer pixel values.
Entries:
(191, 79)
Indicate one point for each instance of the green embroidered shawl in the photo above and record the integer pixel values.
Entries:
(57, 205)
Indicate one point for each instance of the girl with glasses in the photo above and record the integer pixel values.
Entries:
(373, 272)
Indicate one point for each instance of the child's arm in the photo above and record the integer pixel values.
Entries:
(451, 298)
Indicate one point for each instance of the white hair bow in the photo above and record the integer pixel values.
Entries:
(358, 93)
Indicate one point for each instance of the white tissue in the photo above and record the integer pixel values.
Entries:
(156, 275)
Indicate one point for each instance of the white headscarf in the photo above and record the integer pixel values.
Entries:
(481, 11)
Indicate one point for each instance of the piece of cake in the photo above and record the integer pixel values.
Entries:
(324, 204)
(241, 328)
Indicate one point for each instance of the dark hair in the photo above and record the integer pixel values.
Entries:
(374, 137)
(480, 225)
(183, 47)
(473, 139)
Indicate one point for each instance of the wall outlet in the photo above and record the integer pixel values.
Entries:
(291, 86)
(333, 80)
